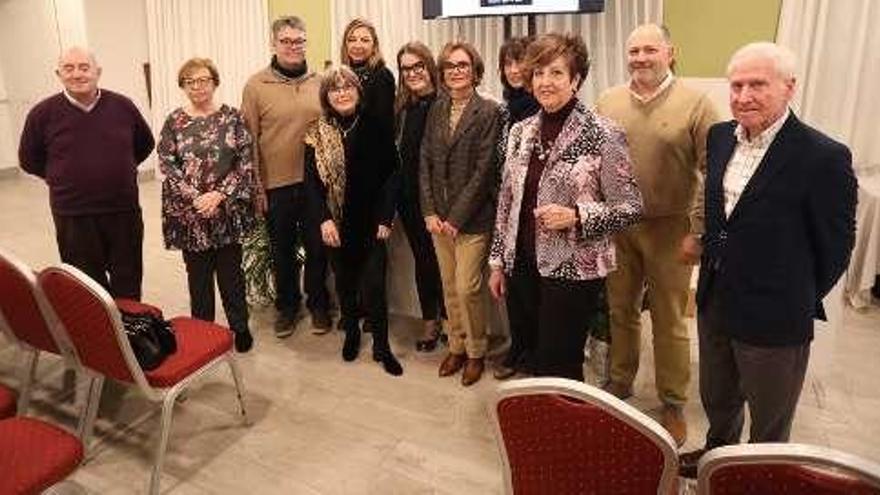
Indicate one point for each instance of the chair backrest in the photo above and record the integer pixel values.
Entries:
(562, 436)
(24, 309)
(785, 468)
(91, 321)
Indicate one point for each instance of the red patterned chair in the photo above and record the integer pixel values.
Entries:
(559, 436)
(92, 322)
(35, 455)
(785, 468)
(28, 317)
(7, 402)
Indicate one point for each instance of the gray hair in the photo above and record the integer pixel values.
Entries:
(782, 58)
(290, 21)
(90, 54)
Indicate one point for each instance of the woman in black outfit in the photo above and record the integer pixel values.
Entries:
(350, 163)
(360, 51)
(416, 92)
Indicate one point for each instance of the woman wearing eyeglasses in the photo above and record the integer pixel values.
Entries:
(416, 92)
(208, 195)
(457, 180)
(360, 51)
(350, 162)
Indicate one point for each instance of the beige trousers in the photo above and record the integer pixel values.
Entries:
(647, 257)
(462, 262)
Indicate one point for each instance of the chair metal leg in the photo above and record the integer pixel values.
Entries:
(28, 375)
(239, 386)
(87, 416)
(164, 432)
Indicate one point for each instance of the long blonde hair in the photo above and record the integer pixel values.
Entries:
(375, 59)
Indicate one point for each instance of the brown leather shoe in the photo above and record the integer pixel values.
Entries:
(688, 462)
(452, 363)
(673, 420)
(618, 390)
(473, 370)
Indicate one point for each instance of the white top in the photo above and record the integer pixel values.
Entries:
(745, 160)
(77, 104)
(660, 88)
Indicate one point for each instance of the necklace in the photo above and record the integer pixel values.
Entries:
(544, 149)
(345, 131)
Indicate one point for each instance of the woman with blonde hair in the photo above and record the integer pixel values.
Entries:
(208, 193)
(360, 51)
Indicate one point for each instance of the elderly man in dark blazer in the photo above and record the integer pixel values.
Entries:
(780, 202)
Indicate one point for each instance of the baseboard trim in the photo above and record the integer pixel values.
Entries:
(9, 173)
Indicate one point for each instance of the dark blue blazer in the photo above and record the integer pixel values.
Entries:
(787, 241)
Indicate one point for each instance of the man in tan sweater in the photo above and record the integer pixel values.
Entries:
(666, 125)
(278, 104)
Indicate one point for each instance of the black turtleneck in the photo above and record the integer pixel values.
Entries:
(520, 103)
(412, 122)
(293, 73)
(377, 99)
(551, 126)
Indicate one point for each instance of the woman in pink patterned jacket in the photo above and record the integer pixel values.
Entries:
(567, 186)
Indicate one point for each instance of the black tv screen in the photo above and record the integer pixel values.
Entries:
(432, 9)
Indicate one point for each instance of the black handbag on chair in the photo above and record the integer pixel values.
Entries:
(151, 338)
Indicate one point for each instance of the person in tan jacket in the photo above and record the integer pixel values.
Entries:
(278, 104)
(666, 124)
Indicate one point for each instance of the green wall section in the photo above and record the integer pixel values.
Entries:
(316, 14)
(707, 32)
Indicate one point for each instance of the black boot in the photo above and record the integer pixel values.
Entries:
(382, 351)
(243, 341)
(352, 345)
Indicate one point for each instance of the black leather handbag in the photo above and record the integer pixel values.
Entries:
(152, 338)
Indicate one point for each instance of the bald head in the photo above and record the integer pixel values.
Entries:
(79, 72)
(649, 56)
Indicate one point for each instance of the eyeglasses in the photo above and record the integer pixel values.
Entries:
(292, 42)
(460, 67)
(416, 68)
(345, 88)
(199, 81)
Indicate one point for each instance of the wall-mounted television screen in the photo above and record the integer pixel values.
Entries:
(432, 9)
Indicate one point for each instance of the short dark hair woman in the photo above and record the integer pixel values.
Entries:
(457, 180)
(350, 164)
(567, 186)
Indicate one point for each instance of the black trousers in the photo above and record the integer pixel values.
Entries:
(428, 283)
(549, 320)
(108, 247)
(360, 287)
(288, 229)
(225, 264)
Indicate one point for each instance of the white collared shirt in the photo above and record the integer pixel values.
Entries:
(77, 104)
(663, 85)
(745, 160)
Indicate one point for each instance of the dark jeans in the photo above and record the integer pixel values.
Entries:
(225, 263)
(108, 247)
(428, 284)
(288, 228)
(733, 373)
(360, 287)
(549, 320)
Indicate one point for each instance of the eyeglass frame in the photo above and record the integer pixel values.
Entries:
(199, 81)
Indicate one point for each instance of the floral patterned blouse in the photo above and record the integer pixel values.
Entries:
(199, 155)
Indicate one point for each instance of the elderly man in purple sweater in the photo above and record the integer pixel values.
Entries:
(86, 143)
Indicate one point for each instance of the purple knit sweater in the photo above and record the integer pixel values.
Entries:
(88, 159)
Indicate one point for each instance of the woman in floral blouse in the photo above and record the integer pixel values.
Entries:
(208, 196)
(567, 186)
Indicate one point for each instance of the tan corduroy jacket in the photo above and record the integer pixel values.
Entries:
(277, 111)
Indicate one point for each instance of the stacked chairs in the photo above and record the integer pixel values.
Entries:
(562, 436)
(785, 468)
(92, 323)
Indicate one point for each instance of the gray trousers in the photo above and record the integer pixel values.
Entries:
(733, 373)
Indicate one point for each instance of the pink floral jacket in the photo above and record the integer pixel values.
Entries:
(588, 169)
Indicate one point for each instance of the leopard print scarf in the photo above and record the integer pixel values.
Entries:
(326, 139)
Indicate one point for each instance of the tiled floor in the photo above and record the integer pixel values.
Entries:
(324, 426)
